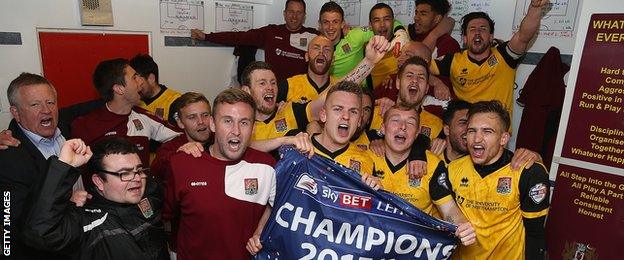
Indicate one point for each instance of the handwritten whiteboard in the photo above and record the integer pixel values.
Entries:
(178, 17)
(558, 22)
(233, 17)
(352, 10)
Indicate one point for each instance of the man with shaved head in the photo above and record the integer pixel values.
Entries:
(306, 87)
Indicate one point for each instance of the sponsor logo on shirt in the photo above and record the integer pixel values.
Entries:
(307, 183)
(280, 125)
(198, 183)
(279, 37)
(504, 185)
(280, 52)
(355, 165)
(460, 200)
(94, 210)
(538, 192)
(111, 133)
(362, 146)
(251, 186)
(462, 81)
(137, 124)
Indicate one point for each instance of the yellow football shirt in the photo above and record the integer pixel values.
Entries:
(430, 124)
(300, 88)
(160, 104)
(395, 179)
(473, 81)
(289, 120)
(495, 204)
(349, 156)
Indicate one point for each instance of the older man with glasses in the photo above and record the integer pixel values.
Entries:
(121, 221)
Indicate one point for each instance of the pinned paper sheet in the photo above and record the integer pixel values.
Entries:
(178, 17)
(233, 17)
(559, 20)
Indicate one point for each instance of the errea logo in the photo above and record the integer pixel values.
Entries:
(198, 183)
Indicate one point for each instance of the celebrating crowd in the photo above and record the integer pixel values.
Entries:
(145, 172)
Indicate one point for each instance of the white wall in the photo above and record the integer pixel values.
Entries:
(502, 13)
(202, 69)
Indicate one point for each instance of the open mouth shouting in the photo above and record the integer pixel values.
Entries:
(478, 40)
(343, 130)
(400, 138)
(478, 151)
(234, 144)
(320, 60)
(413, 90)
(269, 97)
(46, 121)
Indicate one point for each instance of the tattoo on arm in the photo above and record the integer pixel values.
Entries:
(359, 73)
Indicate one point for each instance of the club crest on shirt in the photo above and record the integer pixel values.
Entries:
(303, 41)
(251, 186)
(504, 185)
(146, 208)
(280, 125)
(355, 165)
(413, 181)
(346, 48)
(492, 61)
(160, 112)
(425, 130)
(137, 124)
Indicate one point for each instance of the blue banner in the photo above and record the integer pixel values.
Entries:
(324, 211)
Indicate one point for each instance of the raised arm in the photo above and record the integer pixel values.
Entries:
(52, 223)
(529, 26)
(375, 51)
(443, 27)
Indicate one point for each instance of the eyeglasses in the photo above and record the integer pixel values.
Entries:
(129, 175)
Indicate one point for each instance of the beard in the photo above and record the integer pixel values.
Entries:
(266, 110)
(457, 146)
(319, 71)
